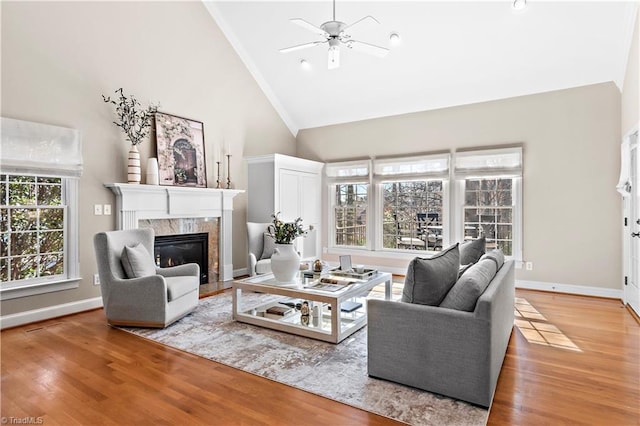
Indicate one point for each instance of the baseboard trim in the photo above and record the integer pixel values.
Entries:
(240, 272)
(581, 290)
(27, 317)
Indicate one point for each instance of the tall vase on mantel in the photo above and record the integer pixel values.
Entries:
(133, 165)
(285, 263)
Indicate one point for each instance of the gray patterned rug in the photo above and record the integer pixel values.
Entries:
(338, 372)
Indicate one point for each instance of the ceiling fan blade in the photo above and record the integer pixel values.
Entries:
(301, 46)
(306, 25)
(369, 48)
(369, 20)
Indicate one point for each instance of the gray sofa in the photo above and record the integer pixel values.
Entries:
(451, 352)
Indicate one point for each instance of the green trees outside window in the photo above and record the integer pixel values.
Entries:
(351, 214)
(32, 213)
(488, 211)
(412, 215)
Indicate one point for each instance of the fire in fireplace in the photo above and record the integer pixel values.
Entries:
(178, 249)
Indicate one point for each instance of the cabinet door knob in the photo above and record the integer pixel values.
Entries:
(635, 234)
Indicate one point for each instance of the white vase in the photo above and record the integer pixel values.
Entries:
(152, 171)
(285, 263)
(133, 165)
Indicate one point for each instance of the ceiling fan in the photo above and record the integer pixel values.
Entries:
(335, 34)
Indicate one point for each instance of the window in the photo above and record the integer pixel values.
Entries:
(38, 208)
(32, 231)
(349, 186)
(350, 214)
(413, 194)
(490, 187)
(412, 215)
(488, 212)
(418, 204)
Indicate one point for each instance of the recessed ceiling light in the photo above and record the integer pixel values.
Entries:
(304, 64)
(519, 4)
(394, 38)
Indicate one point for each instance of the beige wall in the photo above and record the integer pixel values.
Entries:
(631, 89)
(58, 58)
(571, 209)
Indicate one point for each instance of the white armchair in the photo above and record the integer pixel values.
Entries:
(255, 236)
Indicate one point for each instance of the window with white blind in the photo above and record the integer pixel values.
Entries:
(418, 203)
(490, 203)
(38, 208)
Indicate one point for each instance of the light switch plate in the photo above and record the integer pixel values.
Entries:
(107, 209)
(97, 209)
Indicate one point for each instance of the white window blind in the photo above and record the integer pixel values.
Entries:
(489, 162)
(351, 171)
(40, 149)
(431, 166)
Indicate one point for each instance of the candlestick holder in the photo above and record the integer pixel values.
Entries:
(228, 171)
(218, 183)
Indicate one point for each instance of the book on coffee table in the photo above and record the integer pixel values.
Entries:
(278, 312)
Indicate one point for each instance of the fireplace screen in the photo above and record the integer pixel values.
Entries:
(173, 250)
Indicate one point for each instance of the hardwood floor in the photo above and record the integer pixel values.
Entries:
(599, 384)
(78, 370)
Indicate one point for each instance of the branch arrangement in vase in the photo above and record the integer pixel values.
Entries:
(285, 232)
(132, 118)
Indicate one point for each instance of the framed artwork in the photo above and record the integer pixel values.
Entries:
(180, 144)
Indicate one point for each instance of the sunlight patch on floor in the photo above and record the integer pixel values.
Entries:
(536, 329)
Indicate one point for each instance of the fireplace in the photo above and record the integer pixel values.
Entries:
(178, 249)
(209, 208)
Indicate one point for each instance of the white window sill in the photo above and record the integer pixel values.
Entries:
(391, 254)
(31, 289)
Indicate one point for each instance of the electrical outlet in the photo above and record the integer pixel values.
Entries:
(529, 266)
(107, 209)
(97, 209)
(96, 279)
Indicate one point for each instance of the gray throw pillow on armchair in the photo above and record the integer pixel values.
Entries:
(429, 280)
(268, 245)
(137, 262)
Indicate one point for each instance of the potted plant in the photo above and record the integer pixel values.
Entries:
(135, 122)
(285, 261)
(180, 175)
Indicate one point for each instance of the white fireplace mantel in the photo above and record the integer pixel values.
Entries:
(136, 202)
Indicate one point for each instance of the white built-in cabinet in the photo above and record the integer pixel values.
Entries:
(291, 186)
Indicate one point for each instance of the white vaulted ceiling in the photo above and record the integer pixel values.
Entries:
(452, 53)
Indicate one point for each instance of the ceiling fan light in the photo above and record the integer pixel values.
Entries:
(394, 39)
(333, 57)
(519, 5)
(305, 65)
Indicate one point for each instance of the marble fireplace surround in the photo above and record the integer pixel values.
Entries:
(138, 204)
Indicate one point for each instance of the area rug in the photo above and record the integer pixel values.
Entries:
(338, 372)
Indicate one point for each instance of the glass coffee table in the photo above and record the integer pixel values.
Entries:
(329, 311)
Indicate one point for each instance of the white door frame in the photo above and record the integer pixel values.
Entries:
(631, 216)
